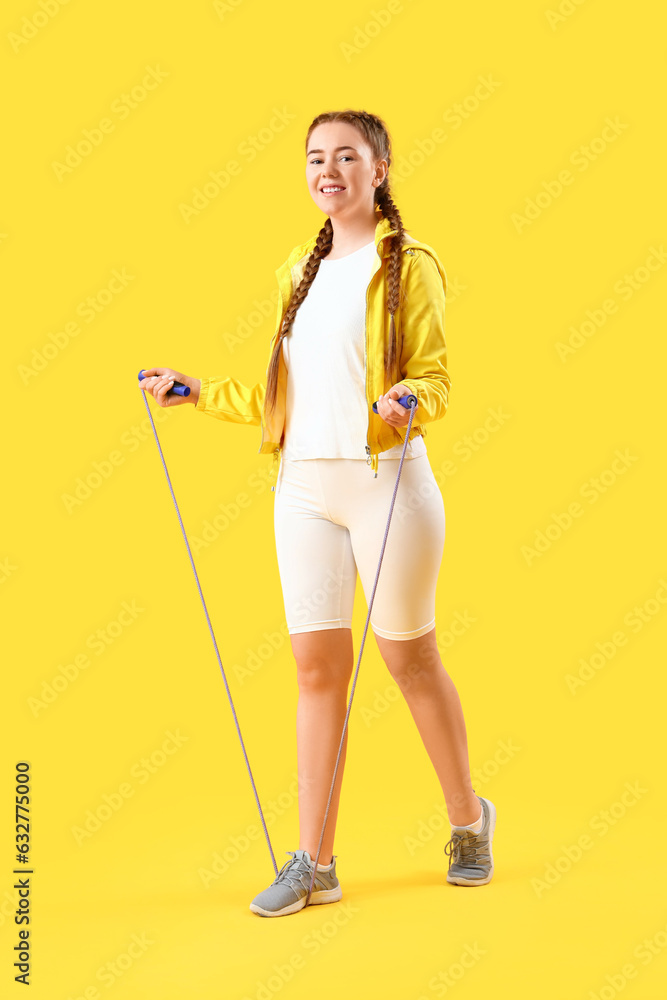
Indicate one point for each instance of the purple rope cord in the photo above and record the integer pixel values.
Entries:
(215, 645)
(361, 649)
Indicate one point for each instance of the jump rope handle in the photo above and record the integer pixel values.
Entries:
(177, 389)
(405, 401)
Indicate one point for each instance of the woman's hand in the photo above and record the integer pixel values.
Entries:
(391, 412)
(158, 382)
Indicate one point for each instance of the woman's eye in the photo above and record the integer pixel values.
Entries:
(343, 157)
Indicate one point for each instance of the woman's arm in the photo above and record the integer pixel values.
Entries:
(226, 398)
(424, 350)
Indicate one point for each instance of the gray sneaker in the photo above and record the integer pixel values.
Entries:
(287, 893)
(470, 857)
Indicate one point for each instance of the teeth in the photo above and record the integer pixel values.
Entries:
(333, 189)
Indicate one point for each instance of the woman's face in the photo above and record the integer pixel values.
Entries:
(338, 157)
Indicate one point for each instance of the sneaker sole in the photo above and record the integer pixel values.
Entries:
(322, 896)
(460, 879)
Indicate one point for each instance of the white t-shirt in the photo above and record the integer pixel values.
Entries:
(326, 410)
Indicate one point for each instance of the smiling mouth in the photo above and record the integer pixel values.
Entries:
(330, 189)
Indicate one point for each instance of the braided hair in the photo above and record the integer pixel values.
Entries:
(376, 135)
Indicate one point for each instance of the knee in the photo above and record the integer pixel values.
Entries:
(412, 677)
(317, 674)
(323, 659)
(414, 666)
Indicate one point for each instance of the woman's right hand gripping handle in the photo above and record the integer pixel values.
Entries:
(159, 381)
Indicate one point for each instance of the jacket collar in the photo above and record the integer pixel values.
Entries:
(383, 229)
(290, 272)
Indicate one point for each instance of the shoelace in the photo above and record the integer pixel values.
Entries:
(464, 849)
(293, 872)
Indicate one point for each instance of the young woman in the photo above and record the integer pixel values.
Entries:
(360, 319)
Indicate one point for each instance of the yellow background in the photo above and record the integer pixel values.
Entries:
(552, 923)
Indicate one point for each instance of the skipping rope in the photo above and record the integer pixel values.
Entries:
(409, 402)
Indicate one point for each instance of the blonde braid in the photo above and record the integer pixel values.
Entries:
(321, 249)
(390, 211)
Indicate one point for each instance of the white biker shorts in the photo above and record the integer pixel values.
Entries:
(330, 517)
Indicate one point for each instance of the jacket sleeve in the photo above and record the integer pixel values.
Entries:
(424, 351)
(228, 399)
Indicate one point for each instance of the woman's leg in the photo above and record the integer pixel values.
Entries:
(404, 604)
(435, 706)
(318, 576)
(324, 667)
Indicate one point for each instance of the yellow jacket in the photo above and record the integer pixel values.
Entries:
(420, 327)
